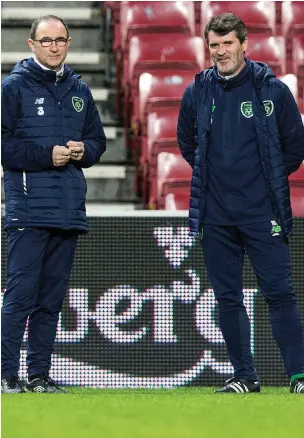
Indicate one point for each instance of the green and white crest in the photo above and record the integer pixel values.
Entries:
(78, 103)
(246, 109)
(268, 106)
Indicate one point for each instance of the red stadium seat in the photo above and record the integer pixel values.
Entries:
(292, 25)
(170, 51)
(162, 88)
(147, 17)
(177, 199)
(161, 137)
(297, 201)
(298, 66)
(297, 178)
(158, 88)
(172, 171)
(161, 133)
(298, 55)
(258, 16)
(296, 182)
(152, 185)
(176, 51)
(156, 17)
(117, 40)
(292, 18)
(270, 50)
(114, 7)
(301, 99)
(292, 82)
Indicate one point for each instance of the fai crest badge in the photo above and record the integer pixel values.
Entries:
(78, 104)
(246, 109)
(268, 106)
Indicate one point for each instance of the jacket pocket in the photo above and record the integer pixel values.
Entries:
(15, 197)
(18, 183)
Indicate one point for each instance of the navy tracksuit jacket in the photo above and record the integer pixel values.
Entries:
(39, 113)
(243, 137)
(45, 205)
(279, 138)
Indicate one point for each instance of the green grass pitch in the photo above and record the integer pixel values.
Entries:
(175, 413)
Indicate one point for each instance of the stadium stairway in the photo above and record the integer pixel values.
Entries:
(111, 182)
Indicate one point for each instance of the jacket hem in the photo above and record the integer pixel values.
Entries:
(80, 228)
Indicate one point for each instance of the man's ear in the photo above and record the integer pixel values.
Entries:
(245, 44)
(31, 44)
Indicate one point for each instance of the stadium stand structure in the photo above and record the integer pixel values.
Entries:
(138, 58)
(154, 70)
(111, 184)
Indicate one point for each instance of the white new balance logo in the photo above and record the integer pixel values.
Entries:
(39, 101)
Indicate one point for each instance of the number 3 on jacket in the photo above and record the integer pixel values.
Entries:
(40, 110)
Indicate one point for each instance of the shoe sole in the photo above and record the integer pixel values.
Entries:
(17, 392)
(239, 393)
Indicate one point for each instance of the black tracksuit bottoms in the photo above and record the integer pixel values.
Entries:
(38, 270)
(268, 251)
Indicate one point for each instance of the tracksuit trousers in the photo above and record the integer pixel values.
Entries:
(268, 251)
(38, 268)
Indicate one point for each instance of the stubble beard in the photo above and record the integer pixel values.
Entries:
(237, 62)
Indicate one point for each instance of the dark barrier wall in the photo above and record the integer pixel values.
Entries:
(140, 310)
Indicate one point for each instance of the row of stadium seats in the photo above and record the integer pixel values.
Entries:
(158, 54)
(173, 181)
(263, 17)
(146, 49)
(286, 18)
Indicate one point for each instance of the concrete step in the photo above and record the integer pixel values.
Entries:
(111, 208)
(94, 80)
(49, 4)
(116, 151)
(87, 62)
(107, 117)
(26, 15)
(105, 171)
(108, 183)
(106, 107)
(107, 113)
(112, 184)
(84, 39)
(101, 94)
(111, 132)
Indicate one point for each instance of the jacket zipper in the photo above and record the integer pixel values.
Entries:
(24, 183)
(62, 176)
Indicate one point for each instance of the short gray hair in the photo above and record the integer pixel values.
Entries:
(47, 18)
(226, 23)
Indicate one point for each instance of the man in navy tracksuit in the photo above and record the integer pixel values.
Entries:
(240, 129)
(51, 129)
